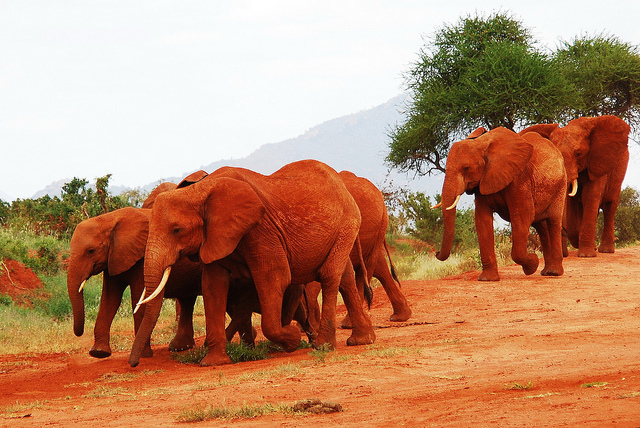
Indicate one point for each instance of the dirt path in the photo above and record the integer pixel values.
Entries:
(572, 343)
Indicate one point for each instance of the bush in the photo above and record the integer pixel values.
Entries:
(627, 222)
(426, 224)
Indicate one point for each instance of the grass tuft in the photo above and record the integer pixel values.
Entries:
(198, 414)
(593, 384)
(520, 386)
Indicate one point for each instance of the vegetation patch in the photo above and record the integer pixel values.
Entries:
(246, 411)
(517, 386)
(593, 384)
(106, 391)
(20, 410)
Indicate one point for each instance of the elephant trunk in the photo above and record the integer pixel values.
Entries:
(74, 281)
(153, 272)
(450, 196)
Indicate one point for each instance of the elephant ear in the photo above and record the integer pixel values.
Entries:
(506, 157)
(609, 140)
(478, 132)
(231, 210)
(194, 177)
(544, 130)
(160, 188)
(128, 239)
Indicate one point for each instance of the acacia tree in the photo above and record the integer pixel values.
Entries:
(479, 72)
(606, 72)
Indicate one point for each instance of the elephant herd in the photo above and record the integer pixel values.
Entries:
(247, 243)
(270, 244)
(553, 178)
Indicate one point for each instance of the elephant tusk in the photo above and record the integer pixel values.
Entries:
(438, 205)
(574, 187)
(144, 291)
(157, 291)
(453, 205)
(82, 286)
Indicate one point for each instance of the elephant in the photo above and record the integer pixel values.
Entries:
(114, 244)
(243, 301)
(375, 250)
(520, 177)
(294, 226)
(596, 154)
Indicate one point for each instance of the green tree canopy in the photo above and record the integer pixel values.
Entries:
(479, 72)
(606, 74)
(489, 72)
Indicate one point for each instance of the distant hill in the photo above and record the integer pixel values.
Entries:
(357, 142)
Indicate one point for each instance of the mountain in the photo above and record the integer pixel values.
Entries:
(357, 142)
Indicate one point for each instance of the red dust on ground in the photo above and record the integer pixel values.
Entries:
(525, 351)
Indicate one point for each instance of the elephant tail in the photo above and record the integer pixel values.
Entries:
(368, 291)
(394, 275)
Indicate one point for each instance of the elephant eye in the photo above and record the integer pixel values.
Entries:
(176, 230)
(91, 250)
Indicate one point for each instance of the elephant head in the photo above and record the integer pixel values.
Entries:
(194, 177)
(209, 219)
(594, 144)
(484, 163)
(111, 243)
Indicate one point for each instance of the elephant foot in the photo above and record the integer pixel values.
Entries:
(147, 352)
(606, 248)
(366, 338)
(549, 271)
(530, 266)
(249, 337)
(100, 352)
(215, 359)
(489, 275)
(587, 253)
(346, 324)
(401, 315)
(290, 338)
(181, 344)
(325, 341)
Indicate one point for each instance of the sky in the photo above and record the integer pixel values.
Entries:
(148, 89)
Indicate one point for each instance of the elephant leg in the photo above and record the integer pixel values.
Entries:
(110, 300)
(241, 323)
(519, 252)
(591, 197)
(401, 309)
(362, 331)
(215, 287)
(484, 228)
(550, 232)
(302, 317)
(183, 339)
(312, 308)
(290, 302)
(607, 239)
(271, 291)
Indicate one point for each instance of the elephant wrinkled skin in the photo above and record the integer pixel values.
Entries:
(292, 227)
(596, 154)
(522, 178)
(114, 244)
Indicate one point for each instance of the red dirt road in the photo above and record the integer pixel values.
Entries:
(573, 342)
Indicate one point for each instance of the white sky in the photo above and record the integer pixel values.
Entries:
(151, 89)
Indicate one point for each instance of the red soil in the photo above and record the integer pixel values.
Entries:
(572, 342)
(18, 281)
